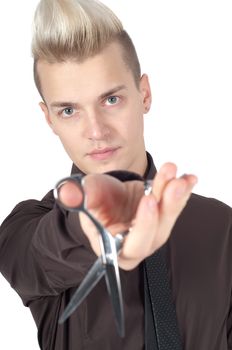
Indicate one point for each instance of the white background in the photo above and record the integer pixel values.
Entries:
(185, 47)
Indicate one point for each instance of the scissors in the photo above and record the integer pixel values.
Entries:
(106, 265)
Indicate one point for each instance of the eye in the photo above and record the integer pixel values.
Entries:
(112, 100)
(67, 112)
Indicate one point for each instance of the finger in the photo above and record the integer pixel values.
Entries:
(154, 221)
(166, 173)
(175, 197)
(70, 194)
(137, 244)
(91, 232)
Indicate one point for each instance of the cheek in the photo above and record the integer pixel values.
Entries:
(69, 137)
(133, 127)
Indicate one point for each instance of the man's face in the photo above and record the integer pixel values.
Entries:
(97, 110)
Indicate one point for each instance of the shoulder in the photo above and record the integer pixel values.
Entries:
(204, 220)
(208, 202)
(46, 202)
(30, 209)
(207, 209)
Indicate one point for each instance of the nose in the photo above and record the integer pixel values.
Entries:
(96, 127)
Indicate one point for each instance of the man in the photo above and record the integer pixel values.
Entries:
(94, 97)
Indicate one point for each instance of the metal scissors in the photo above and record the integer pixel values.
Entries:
(106, 265)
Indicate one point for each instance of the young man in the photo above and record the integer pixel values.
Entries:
(94, 98)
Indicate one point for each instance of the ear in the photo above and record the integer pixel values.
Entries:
(146, 92)
(45, 111)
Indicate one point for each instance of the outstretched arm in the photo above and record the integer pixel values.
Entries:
(120, 206)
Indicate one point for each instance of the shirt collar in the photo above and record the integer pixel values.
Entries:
(149, 173)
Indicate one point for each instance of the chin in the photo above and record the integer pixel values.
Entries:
(104, 168)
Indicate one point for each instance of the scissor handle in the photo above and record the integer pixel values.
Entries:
(106, 240)
(119, 239)
(77, 179)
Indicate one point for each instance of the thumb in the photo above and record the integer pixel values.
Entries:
(70, 194)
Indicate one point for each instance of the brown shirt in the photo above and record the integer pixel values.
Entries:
(44, 255)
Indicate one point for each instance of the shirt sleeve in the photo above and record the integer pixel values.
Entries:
(229, 319)
(229, 327)
(43, 250)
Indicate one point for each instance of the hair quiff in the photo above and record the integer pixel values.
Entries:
(78, 29)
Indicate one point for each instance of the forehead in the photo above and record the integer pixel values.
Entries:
(91, 76)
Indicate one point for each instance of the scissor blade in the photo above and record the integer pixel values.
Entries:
(89, 282)
(114, 289)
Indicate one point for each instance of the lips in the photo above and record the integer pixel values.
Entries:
(103, 154)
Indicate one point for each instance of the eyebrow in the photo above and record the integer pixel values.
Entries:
(112, 91)
(63, 104)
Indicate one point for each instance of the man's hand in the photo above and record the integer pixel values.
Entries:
(121, 206)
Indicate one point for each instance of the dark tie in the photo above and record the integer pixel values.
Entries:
(163, 333)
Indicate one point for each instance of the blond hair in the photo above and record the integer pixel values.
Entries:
(78, 29)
